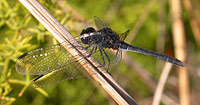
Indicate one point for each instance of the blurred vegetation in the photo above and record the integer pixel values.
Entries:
(20, 32)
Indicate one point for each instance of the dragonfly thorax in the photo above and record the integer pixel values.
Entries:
(105, 37)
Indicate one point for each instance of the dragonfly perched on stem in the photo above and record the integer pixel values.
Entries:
(54, 64)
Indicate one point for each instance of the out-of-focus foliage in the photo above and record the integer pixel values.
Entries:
(20, 32)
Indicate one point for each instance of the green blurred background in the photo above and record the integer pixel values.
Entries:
(20, 32)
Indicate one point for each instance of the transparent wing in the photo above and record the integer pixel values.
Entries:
(72, 70)
(65, 72)
(54, 64)
(118, 57)
(99, 23)
(123, 35)
(43, 60)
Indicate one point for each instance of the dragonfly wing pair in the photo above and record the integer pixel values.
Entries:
(54, 64)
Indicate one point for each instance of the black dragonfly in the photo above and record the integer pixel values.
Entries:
(54, 64)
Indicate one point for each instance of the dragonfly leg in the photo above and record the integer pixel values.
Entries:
(91, 51)
(88, 46)
(102, 56)
(107, 59)
(95, 50)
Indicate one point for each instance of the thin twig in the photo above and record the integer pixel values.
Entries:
(144, 75)
(113, 10)
(140, 21)
(147, 79)
(194, 22)
(67, 9)
(180, 50)
(163, 78)
(89, 64)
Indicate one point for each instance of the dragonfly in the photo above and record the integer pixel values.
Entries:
(54, 64)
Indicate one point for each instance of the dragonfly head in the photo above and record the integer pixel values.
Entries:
(88, 30)
(85, 35)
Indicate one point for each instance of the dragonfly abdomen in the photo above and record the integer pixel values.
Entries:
(126, 47)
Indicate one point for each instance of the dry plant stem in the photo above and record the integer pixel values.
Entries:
(160, 46)
(140, 71)
(140, 21)
(146, 78)
(89, 64)
(68, 9)
(113, 10)
(180, 52)
(195, 24)
(161, 84)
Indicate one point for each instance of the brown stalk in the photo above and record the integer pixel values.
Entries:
(89, 64)
(180, 51)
